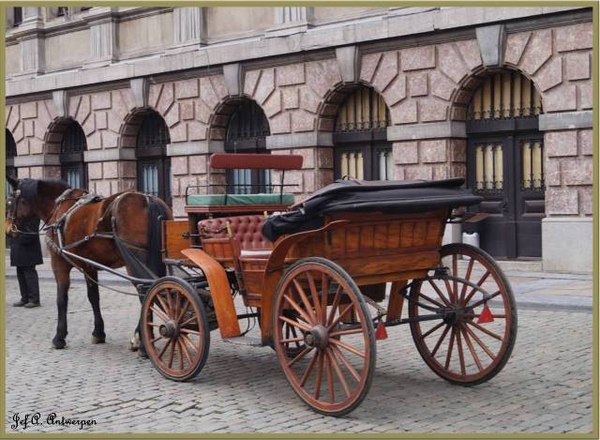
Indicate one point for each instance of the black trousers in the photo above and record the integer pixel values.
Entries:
(29, 284)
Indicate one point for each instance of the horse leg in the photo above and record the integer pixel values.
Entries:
(98, 335)
(63, 282)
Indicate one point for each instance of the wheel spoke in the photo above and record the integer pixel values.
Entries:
(432, 301)
(183, 311)
(180, 351)
(450, 347)
(319, 378)
(459, 348)
(439, 343)
(324, 297)
(335, 305)
(164, 306)
(433, 329)
(440, 294)
(309, 369)
(160, 314)
(485, 348)
(305, 300)
(295, 323)
(299, 356)
(352, 331)
(468, 278)
(465, 333)
(160, 355)
(340, 316)
(187, 322)
(329, 375)
(338, 371)
(346, 363)
(315, 296)
(455, 274)
(186, 339)
(479, 284)
(185, 350)
(297, 307)
(187, 330)
(172, 354)
(350, 348)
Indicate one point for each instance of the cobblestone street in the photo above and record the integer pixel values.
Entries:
(545, 388)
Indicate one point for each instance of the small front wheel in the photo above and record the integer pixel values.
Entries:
(175, 329)
(324, 336)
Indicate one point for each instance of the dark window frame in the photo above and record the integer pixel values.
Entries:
(71, 157)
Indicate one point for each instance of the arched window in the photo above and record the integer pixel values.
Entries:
(246, 133)
(361, 148)
(505, 163)
(11, 153)
(153, 165)
(72, 167)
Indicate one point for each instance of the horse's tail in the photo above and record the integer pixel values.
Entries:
(157, 212)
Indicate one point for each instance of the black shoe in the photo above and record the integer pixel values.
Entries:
(20, 303)
(31, 305)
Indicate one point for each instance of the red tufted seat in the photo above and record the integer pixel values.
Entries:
(245, 229)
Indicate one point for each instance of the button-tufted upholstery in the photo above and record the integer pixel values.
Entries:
(246, 229)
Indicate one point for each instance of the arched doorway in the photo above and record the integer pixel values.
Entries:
(505, 164)
(153, 165)
(246, 132)
(73, 169)
(360, 137)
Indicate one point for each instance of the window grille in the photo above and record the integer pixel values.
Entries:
(532, 159)
(489, 172)
(153, 132)
(505, 95)
(363, 110)
(73, 169)
(248, 122)
(385, 164)
(153, 166)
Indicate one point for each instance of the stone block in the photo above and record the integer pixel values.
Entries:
(586, 95)
(586, 200)
(457, 150)
(424, 172)
(309, 100)
(290, 74)
(290, 97)
(324, 157)
(450, 62)
(186, 110)
(578, 65)
(322, 76)
(302, 121)
(120, 107)
(561, 98)
(94, 140)
(101, 120)
(28, 128)
(166, 98)
(440, 171)
(432, 109)
(561, 143)
(36, 146)
(308, 157)
(29, 110)
(441, 85)
(128, 169)
(552, 172)
(208, 94)
(404, 112)
(559, 234)
(417, 58)
(550, 75)
(396, 91)
(95, 170)
(88, 126)
(198, 164)
(586, 145)
(178, 132)
(219, 86)
(197, 130)
(575, 37)
(577, 171)
(203, 112)
(386, 71)
(405, 152)
(562, 201)
(36, 172)
(273, 104)
(538, 51)
(179, 165)
(172, 116)
(280, 123)
(418, 84)
(266, 85)
(12, 117)
(110, 170)
(251, 82)
(368, 66)
(433, 151)
(515, 46)
(348, 59)
(469, 49)
(101, 101)
(110, 139)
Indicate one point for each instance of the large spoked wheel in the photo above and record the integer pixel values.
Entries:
(477, 329)
(329, 357)
(175, 329)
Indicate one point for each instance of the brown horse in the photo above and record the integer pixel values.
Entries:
(119, 230)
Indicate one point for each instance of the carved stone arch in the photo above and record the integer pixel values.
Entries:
(220, 119)
(66, 139)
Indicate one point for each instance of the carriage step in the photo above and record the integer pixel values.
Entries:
(245, 340)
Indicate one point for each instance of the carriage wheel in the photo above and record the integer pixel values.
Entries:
(475, 338)
(175, 329)
(328, 359)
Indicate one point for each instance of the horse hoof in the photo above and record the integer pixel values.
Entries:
(134, 344)
(59, 344)
(98, 339)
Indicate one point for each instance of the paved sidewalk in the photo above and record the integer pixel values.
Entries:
(536, 289)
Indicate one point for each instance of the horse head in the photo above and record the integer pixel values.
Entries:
(29, 199)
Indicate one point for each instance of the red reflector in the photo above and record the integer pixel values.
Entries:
(380, 333)
(486, 315)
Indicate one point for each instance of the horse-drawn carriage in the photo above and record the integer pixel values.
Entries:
(324, 279)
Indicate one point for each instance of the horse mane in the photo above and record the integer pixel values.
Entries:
(34, 189)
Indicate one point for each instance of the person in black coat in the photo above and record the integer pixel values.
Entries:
(25, 254)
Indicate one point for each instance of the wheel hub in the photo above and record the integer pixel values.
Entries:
(169, 329)
(317, 337)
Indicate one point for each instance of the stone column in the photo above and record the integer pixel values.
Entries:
(189, 26)
(104, 44)
(291, 20)
(30, 35)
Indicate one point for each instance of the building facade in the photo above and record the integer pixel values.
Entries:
(119, 98)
